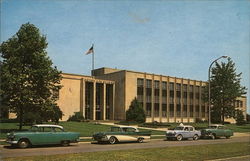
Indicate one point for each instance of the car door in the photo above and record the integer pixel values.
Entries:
(185, 132)
(220, 131)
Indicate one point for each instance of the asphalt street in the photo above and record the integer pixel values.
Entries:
(8, 151)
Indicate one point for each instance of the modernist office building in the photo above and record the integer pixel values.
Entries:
(107, 95)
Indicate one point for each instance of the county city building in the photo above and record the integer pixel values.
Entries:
(107, 95)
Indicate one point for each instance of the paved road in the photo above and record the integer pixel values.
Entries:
(7, 151)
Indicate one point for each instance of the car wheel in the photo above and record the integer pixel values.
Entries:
(213, 136)
(140, 140)
(196, 137)
(65, 143)
(112, 140)
(24, 143)
(179, 137)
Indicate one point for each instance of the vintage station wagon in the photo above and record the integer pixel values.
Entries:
(42, 134)
(216, 131)
(122, 134)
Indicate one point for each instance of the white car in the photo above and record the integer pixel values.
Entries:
(183, 132)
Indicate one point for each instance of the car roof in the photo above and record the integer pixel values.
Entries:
(125, 127)
(184, 126)
(48, 125)
(216, 125)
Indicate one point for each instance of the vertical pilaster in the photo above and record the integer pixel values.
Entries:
(83, 98)
(160, 99)
(152, 98)
(144, 93)
(188, 101)
(174, 99)
(94, 100)
(181, 99)
(104, 102)
(168, 95)
(200, 103)
(113, 103)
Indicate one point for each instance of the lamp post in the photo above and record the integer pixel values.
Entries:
(209, 93)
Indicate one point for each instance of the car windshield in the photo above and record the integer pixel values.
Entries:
(213, 127)
(115, 129)
(179, 128)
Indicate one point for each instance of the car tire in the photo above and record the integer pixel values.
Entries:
(23, 143)
(213, 136)
(140, 140)
(65, 143)
(179, 137)
(195, 137)
(112, 140)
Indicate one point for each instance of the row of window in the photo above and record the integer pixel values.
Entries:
(192, 112)
(140, 83)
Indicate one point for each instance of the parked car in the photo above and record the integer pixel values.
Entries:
(216, 131)
(183, 132)
(42, 134)
(122, 134)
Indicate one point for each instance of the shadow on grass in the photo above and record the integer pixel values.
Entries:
(10, 130)
(39, 146)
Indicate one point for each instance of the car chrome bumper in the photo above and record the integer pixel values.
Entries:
(11, 142)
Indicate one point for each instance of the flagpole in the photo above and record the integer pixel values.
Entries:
(93, 60)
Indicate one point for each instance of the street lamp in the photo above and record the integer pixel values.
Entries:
(209, 102)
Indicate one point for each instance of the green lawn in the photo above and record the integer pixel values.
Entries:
(86, 129)
(187, 153)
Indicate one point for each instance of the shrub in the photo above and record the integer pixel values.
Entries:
(239, 118)
(136, 112)
(77, 117)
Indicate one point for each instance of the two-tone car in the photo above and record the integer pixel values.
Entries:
(122, 134)
(216, 131)
(42, 134)
(183, 132)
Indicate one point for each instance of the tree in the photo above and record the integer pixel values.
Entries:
(29, 83)
(136, 112)
(225, 88)
(240, 120)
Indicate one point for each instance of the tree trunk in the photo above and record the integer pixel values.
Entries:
(21, 118)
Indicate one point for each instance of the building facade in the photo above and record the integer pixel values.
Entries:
(94, 98)
(108, 93)
(164, 98)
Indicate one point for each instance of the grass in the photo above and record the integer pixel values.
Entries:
(187, 153)
(86, 129)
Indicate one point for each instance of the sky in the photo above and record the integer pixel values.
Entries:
(175, 38)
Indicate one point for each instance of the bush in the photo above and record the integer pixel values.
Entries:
(136, 112)
(239, 118)
(77, 117)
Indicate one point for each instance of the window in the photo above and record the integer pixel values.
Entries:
(56, 129)
(156, 84)
(171, 108)
(47, 129)
(185, 111)
(156, 110)
(164, 110)
(191, 111)
(178, 110)
(184, 87)
(190, 128)
(178, 87)
(148, 109)
(171, 86)
(148, 83)
(140, 82)
(164, 85)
